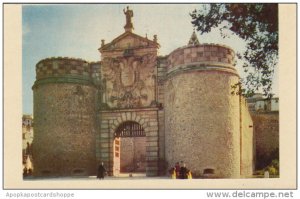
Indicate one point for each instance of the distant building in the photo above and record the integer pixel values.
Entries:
(259, 104)
(27, 136)
(265, 116)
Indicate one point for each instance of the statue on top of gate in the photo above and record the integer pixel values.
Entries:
(129, 14)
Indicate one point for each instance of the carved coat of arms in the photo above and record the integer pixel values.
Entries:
(129, 81)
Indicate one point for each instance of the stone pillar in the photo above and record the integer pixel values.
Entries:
(103, 147)
(152, 149)
(161, 73)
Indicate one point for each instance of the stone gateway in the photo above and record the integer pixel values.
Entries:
(136, 111)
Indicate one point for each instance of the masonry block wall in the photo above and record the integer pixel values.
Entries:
(247, 141)
(161, 75)
(129, 81)
(266, 132)
(201, 116)
(133, 154)
(64, 107)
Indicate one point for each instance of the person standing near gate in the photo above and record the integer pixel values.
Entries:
(183, 172)
(177, 170)
(101, 171)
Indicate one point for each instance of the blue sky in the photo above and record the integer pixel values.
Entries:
(77, 30)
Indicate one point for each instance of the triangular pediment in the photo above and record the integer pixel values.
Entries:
(129, 40)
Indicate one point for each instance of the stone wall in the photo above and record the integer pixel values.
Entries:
(202, 123)
(62, 66)
(64, 141)
(128, 72)
(202, 126)
(133, 154)
(266, 132)
(161, 75)
(129, 85)
(247, 145)
(201, 53)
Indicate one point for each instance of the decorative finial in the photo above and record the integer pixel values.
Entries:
(146, 36)
(129, 14)
(102, 42)
(155, 38)
(193, 40)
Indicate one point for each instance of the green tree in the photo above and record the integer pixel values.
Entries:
(257, 25)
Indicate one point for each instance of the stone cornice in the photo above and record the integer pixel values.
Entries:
(201, 67)
(72, 79)
(106, 47)
(202, 45)
(130, 110)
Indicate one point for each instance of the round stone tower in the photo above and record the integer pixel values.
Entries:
(202, 126)
(64, 107)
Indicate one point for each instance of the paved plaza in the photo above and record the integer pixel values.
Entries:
(122, 176)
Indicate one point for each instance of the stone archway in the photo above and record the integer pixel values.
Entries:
(110, 121)
(129, 148)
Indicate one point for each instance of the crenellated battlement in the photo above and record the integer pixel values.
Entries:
(201, 53)
(201, 57)
(60, 66)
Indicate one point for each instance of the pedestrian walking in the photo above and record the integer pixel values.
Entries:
(101, 171)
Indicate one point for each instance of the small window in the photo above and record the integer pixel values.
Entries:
(208, 171)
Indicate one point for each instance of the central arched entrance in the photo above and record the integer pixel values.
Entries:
(129, 148)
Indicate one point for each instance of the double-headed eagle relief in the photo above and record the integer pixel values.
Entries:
(129, 82)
